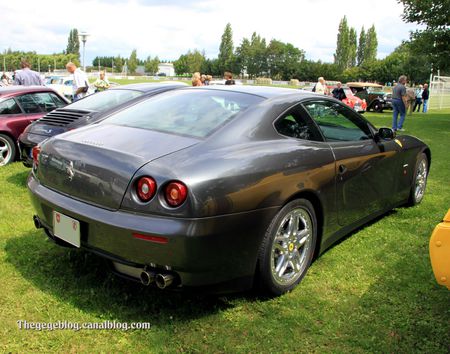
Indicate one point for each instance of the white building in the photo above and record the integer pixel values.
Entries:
(166, 68)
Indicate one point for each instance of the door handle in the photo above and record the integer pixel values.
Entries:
(342, 169)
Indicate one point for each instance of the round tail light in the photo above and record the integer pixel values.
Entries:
(176, 193)
(146, 188)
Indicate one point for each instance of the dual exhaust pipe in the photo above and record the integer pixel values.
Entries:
(162, 280)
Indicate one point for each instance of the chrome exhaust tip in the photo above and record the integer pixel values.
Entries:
(37, 222)
(147, 278)
(164, 280)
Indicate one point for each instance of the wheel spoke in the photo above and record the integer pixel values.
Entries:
(297, 261)
(283, 262)
(293, 225)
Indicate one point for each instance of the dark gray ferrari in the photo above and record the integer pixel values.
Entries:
(223, 188)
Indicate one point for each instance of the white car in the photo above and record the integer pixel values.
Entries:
(61, 84)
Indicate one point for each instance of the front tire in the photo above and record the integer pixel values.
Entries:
(419, 181)
(288, 247)
(7, 150)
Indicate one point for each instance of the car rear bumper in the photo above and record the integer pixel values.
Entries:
(201, 251)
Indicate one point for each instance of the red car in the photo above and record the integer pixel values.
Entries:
(19, 106)
(354, 102)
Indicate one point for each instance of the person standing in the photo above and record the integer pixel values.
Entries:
(101, 84)
(196, 79)
(26, 76)
(321, 86)
(410, 99)
(228, 76)
(418, 102)
(338, 92)
(425, 97)
(5, 80)
(399, 101)
(80, 81)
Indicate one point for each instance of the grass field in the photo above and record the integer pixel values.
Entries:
(372, 292)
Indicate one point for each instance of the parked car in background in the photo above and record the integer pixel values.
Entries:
(61, 84)
(358, 104)
(19, 106)
(373, 94)
(225, 187)
(88, 110)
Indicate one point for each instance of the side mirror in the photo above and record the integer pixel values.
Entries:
(386, 134)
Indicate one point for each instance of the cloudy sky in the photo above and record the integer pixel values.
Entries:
(169, 28)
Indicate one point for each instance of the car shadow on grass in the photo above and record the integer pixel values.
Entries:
(19, 179)
(86, 281)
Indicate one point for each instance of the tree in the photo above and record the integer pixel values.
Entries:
(283, 59)
(226, 56)
(189, 63)
(361, 46)
(252, 56)
(341, 57)
(352, 48)
(73, 43)
(132, 62)
(151, 65)
(435, 38)
(370, 51)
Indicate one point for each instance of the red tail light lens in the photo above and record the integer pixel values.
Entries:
(146, 188)
(35, 153)
(176, 193)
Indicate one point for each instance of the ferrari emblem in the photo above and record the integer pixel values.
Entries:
(398, 142)
(291, 247)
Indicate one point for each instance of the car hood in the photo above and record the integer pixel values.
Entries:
(95, 164)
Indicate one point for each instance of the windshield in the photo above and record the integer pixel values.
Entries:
(187, 112)
(105, 100)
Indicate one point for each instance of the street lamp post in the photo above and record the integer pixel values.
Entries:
(83, 36)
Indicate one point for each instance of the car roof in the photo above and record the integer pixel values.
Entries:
(262, 91)
(148, 86)
(16, 89)
(363, 84)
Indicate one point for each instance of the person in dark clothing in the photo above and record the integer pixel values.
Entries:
(338, 92)
(425, 97)
(228, 78)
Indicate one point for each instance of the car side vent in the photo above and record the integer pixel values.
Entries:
(63, 117)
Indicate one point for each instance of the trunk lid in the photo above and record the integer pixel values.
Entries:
(95, 164)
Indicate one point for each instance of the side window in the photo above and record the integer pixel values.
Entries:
(28, 104)
(294, 125)
(337, 122)
(58, 101)
(46, 101)
(9, 107)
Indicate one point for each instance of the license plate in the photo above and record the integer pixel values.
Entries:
(66, 228)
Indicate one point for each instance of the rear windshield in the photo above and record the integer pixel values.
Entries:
(195, 112)
(105, 100)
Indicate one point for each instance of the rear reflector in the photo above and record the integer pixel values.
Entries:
(151, 238)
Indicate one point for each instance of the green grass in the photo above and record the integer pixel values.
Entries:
(372, 292)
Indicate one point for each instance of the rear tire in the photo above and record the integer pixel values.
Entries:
(7, 150)
(419, 181)
(378, 107)
(288, 247)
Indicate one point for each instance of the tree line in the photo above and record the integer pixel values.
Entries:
(355, 57)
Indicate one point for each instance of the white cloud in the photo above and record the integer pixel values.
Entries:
(170, 28)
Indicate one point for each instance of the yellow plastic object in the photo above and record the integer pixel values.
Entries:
(440, 251)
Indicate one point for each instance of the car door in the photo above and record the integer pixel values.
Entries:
(365, 169)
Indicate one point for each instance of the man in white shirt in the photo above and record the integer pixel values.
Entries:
(321, 86)
(80, 81)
